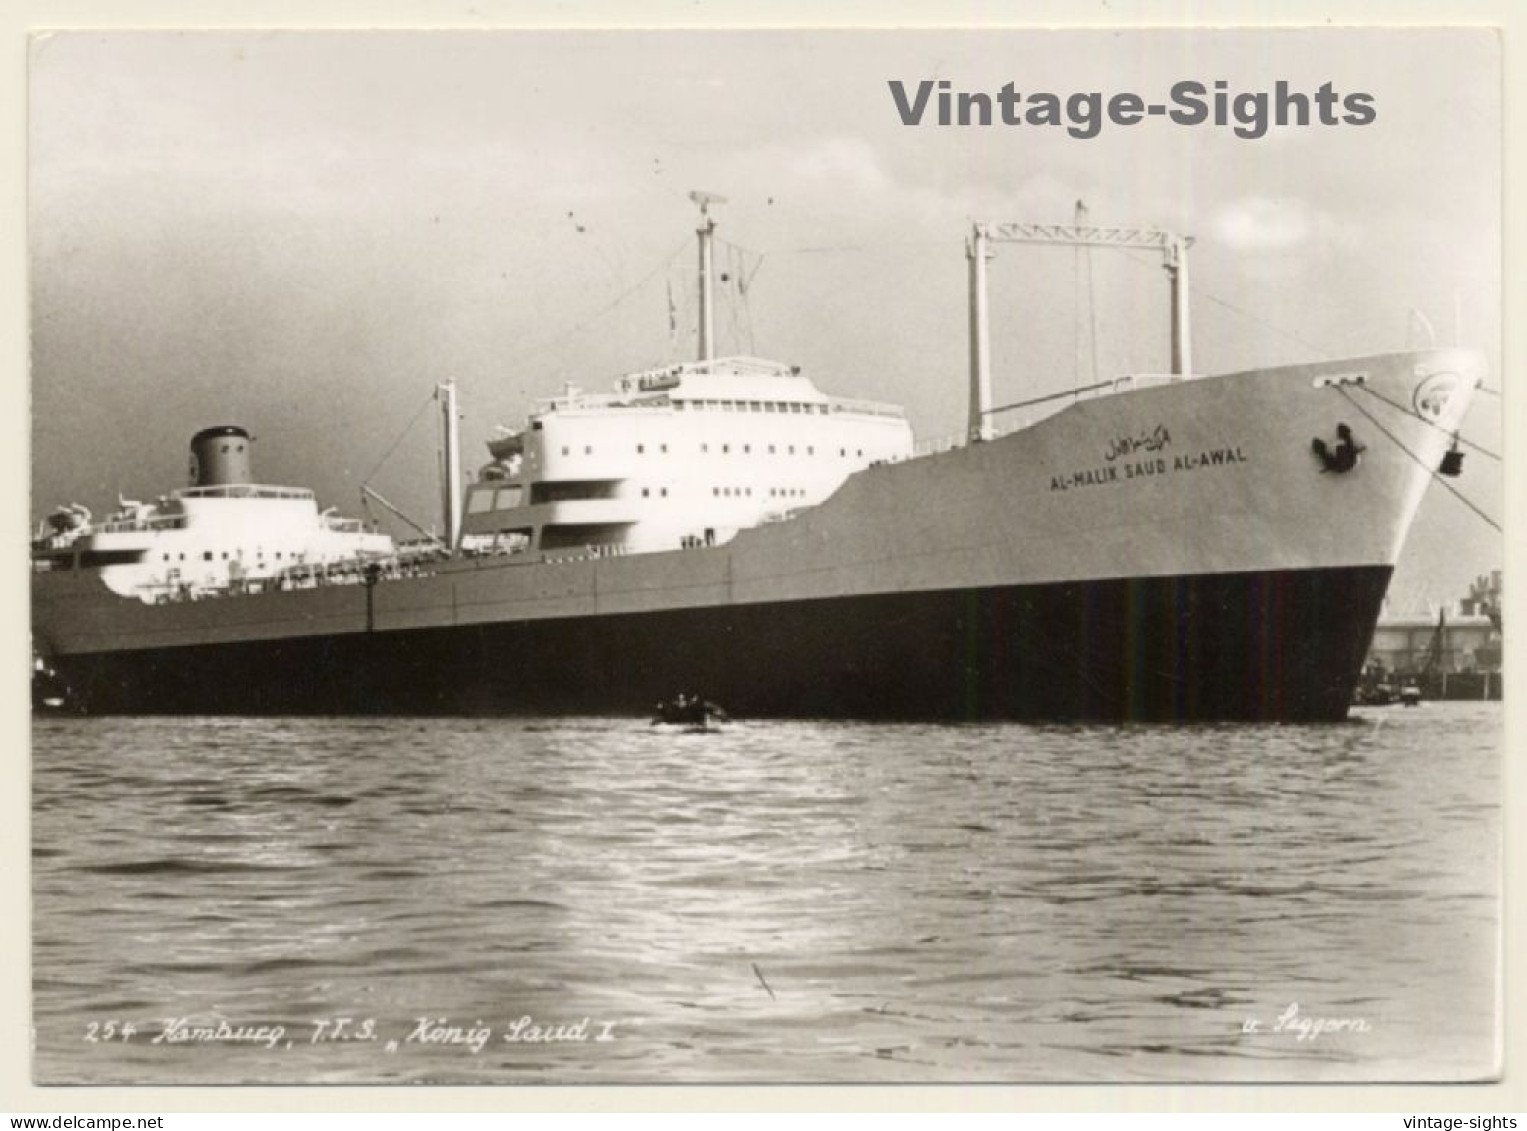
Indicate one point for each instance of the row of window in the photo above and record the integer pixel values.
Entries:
(209, 555)
(736, 492)
(747, 492)
(751, 406)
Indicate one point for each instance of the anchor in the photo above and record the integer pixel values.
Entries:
(1340, 457)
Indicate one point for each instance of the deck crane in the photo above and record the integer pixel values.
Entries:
(1174, 249)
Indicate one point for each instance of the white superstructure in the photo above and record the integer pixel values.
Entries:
(222, 534)
(675, 457)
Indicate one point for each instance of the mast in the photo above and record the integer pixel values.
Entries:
(978, 252)
(1182, 343)
(706, 231)
(1174, 249)
(450, 455)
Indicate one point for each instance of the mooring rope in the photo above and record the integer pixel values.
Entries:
(1430, 423)
(1419, 461)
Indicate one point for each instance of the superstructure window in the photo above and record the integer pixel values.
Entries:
(552, 491)
(641, 449)
(206, 555)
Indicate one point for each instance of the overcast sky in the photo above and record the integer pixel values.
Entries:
(303, 232)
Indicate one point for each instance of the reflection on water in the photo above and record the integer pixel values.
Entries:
(780, 902)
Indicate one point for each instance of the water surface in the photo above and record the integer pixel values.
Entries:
(780, 902)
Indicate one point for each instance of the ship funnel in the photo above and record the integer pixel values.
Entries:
(220, 456)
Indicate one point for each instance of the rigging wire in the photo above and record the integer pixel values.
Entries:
(588, 320)
(729, 288)
(1430, 423)
(825, 249)
(741, 280)
(403, 435)
(1421, 463)
(1195, 289)
(738, 283)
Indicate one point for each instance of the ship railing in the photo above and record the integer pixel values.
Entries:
(1026, 414)
(932, 447)
(305, 575)
(243, 491)
(593, 552)
(545, 405)
(735, 365)
(866, 408)
(136, 525)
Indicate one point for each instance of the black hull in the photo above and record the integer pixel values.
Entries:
(1272, 646)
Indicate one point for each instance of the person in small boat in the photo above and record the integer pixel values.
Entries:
(694, 710)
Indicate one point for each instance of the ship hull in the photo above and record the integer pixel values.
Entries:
(1178, 552)
(1283, 645)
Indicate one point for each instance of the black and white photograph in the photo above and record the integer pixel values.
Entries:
(766, 556)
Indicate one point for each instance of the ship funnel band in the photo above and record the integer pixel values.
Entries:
(219, 431)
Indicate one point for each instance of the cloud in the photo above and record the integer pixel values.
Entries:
(1264, 224)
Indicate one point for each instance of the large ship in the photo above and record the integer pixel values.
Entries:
(1160, 547)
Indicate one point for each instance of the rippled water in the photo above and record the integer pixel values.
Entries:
(779, 902)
